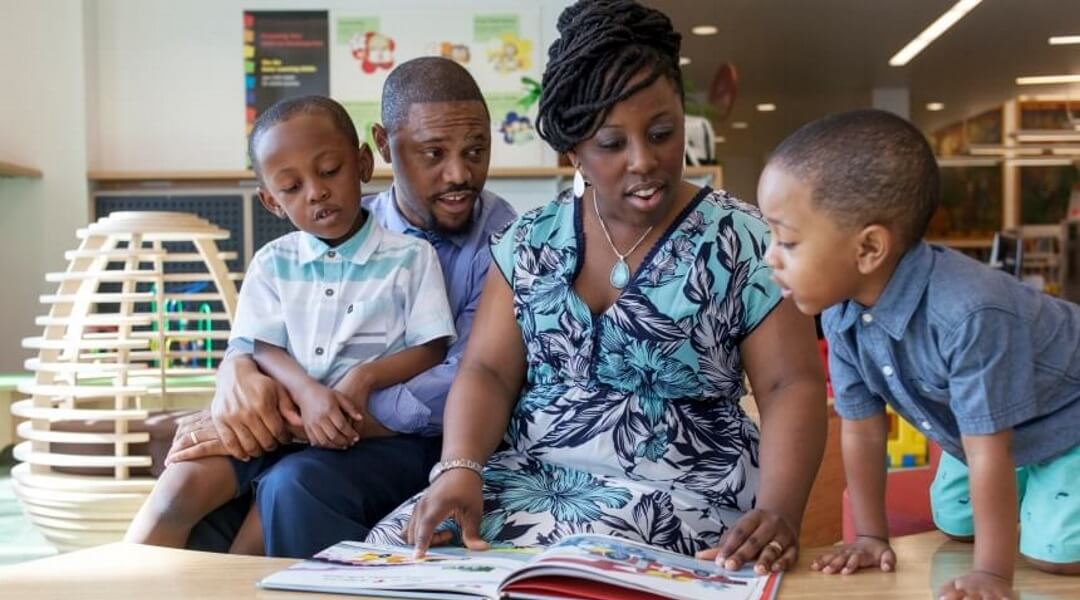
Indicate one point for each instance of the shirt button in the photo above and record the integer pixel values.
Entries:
(926, 425)
(867, 318)
(329, 292)
(331, 254)
(319, 351)
(887, 370)
(349, 310)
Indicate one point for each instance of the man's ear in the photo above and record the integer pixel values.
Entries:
(382, 141)
(365, 163)
(873, 246)
(269, 203)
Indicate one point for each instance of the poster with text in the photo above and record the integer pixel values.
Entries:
(286, 55)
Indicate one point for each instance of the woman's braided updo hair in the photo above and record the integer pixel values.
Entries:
(602, 46)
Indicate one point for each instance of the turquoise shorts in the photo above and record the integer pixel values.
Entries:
(1049, 505)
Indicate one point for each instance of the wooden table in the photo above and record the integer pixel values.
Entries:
(120, 571)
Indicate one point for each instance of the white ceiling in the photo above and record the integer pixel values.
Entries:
(812, 57)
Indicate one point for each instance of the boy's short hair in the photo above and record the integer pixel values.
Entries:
(864, 167)
(425, 80)
(283, 110)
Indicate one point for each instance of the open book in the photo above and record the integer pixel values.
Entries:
(580, 567)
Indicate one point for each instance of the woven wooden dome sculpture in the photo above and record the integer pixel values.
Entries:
(118, 343)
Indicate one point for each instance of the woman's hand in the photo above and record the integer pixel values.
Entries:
(866, 551)
(456, 494)
(761, 536)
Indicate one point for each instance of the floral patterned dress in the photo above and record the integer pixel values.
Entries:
(628, 423)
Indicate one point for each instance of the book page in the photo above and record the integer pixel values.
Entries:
(641, 567)
(354, 568)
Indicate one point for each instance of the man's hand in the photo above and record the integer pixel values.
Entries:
(245, 409)
(195, 438)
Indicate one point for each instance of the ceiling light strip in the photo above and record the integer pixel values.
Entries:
(931, 33)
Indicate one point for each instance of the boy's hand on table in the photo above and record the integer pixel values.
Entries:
(328, 416)
(762, 536)
(977, 584)
(865, 552)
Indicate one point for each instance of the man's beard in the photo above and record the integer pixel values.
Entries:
(433, 223)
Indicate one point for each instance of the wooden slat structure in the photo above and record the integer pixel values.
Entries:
(146, 301)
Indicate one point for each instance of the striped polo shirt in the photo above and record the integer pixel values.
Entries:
(332, 308)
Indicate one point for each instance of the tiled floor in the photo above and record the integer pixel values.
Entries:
(18, 539)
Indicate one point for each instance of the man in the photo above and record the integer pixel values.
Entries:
(436, 135)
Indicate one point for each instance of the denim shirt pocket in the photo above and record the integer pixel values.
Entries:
(929, 389)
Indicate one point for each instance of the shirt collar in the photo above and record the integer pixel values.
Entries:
(356, 249)
(897, 304)
(395, 221)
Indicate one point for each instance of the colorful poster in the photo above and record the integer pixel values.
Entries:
(507, 51)
(286, 55)
(499, 48)
(364, 114)
(372, 49)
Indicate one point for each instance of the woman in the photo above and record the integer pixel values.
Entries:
(610, 341)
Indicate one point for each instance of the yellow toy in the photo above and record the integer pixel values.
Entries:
(906, 447)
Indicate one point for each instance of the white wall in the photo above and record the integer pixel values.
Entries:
(170, 76)
(43, 125)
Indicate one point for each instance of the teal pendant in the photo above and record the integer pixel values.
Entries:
(620, 275)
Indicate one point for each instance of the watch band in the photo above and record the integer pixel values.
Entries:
(455, 463)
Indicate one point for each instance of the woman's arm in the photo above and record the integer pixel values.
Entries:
(781, 359)
(489, 379)
(477, 413)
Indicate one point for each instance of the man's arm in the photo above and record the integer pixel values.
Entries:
(416, 406)
(245, 408)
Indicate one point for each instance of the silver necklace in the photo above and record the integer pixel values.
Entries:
(620, 272)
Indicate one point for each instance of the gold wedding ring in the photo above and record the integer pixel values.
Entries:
(194, 438)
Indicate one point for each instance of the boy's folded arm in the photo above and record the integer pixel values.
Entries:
(279, 365)
(398, 367)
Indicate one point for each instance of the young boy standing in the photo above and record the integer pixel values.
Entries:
(985, 366)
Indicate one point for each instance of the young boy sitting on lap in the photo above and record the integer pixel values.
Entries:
(332, 312)
(984, 365)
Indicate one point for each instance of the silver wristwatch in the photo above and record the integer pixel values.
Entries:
(455, 463)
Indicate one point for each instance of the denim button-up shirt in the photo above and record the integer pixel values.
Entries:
(958, 348)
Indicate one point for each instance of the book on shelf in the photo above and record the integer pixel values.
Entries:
(579, 567)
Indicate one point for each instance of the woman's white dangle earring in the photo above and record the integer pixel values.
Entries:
(579, 183)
